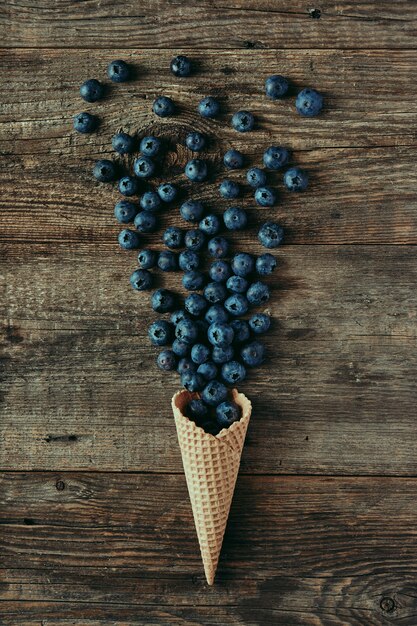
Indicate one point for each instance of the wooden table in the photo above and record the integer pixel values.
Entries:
(96, 524)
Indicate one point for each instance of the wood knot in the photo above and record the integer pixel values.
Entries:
(387, 605)
(60, 485)
(315, 14)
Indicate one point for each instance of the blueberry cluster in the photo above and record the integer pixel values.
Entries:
(206, 338)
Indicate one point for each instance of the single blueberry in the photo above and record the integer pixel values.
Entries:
(123, 143)
(85, 122)
(147, 259)
(192, 210)
(145, 222)
(196, 410)
(188, 260)
(166, 360)
(233, 372)
(128, 185)
(200, 353)
(208, 370)
(167, 261)
(309, 102)
(161, 332)
(173, 237)
(237, 304)
(192, 381)
(218, 247)
(271, 235)
(92, 90)
(258, 293)
(265, 264)
(150, 201)
(229, 189)
(296, 179)
(125, 211)
(276, 87)
(220, 271)
(194, 239)
(241, 330)
(260, 323)
(216, 314)
(256, 177)
(187, 331)
(196, 170)
(253, 354)
(178, 316)
(222, 354)
(265, 196)
(220, 334)
(181, 348)
(227, 413)
(210, 225)
(128, 239)
(215, 293)
(104, 170)
(208, 107)
(235, 218)
(163, 106)
(141, 280)
(195, 141)
(214, 393)
(186, 365)
(233, 159)
(237, 284)
(167, 192)
(242, 264)
(118, 71)
(196, 305)
(163, 301)
(150, 146)
(243, 121)
(276, 157)
(181, 66)
(194, 280)
(144, 167)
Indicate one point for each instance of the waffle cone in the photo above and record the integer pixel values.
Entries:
(211, 464)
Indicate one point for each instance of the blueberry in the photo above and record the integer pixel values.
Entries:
(235, 218)
(271, 235)
(163, 301)
(167, 261)
(200, 353)
(220, 271)
(229, 189)
(210, 225)
(256, 177)
(178, 316)
(186, 365)
(118, 71)
(276, 157)
(253, 354)
(166, 360)
(128, 239)
(296, 179)
(241, 330)
(161, 332)
(180, 348)
(242, 264)
(173, 237)
(150, 146)
(125, 211)
(194, 280)
(181, 66)
(260, 323)
(276, 87)
(167, 192)
(196, 410)
(144, 167)
(141, 280)
(192, 381)
(309, 102)
(150, 201)
(215, 292)
(85, 122)
(104, 170)
(237, 284)
(145, 222)
(192, 211)
(227, 413)
(258, 293)
(237, 304)
(92, 90)
(128, 185)
(196, 305)
(233, 372)
(195, 141)
(222, 354)
(208, 370)
(163, 106)
(194, 239)
(187, 331)
(123, 143)
(265, 264)
(265, 196)
(147, 259)
(216, 314)
(243, 121)
(196, 170)
(220, 334)
(188, 260)
(208, 107)
(218, 247)
(233, 159)
(214, 393)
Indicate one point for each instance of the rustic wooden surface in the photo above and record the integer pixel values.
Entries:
(95, 524)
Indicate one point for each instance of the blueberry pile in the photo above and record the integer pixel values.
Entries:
(205, 336)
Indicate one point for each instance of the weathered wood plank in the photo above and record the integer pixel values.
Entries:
(79, 372)
(102, 547)
(220, 24)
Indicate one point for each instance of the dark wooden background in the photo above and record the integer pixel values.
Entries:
(96, 528)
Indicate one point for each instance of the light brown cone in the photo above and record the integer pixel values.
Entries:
(211, 464)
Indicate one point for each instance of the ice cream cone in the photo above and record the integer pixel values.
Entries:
(211, 464)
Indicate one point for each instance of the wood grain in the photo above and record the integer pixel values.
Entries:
(209, 24)
(101, 548)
